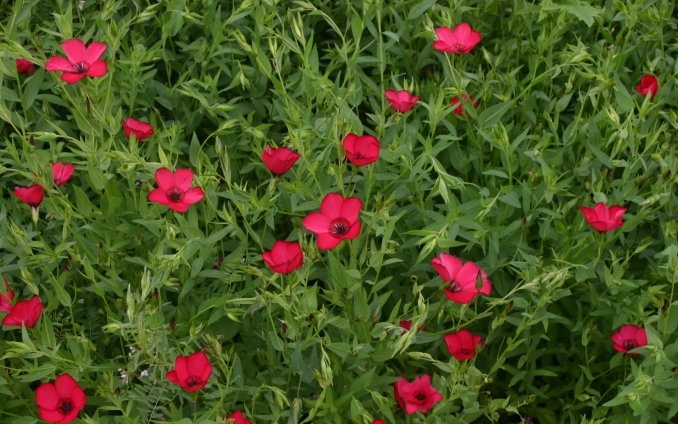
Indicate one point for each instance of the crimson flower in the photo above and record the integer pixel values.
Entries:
(407, 325)
(361, 149)
(460, 40)
(284, 257)
(603, 218)
(191, 372)
(336, 221)
(401, 101)
(62, 172)
(279, 160)
(31, 195)
(377, 422)
(60, 402)
(6, 299)
(457, 101)
(174, 189)
(140, 130)
(462, 344)
(416, 396)
(466, 280)
(24, 312)
(25, 66)
(629, 337)
(648, 85)
(239, 418)
(80, 61)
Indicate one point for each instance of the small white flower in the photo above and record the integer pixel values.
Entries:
(144, 373)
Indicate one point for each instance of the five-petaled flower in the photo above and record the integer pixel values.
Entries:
(25, 66)
(24, 312)
(80, 61)
(401, 101)
(141, 130)
(462, 344)
(336, 221)
(6, 299)
(284, 257)
(174, 189)
(31, 195)
(466, 280)
(648, 85)
(459, 104)
(279, 160)
(603, 218)
(361, 149)
(60, 402)
(191, 372)
(628, 338)
(62, 172)
(460, 40)
(416, 396)
(238, 418)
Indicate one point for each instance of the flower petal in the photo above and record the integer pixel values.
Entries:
(193, 195)
(93, 52)
(97, 69)
(331, 205)
(183, 178)
(326, 241)
(71, 77)
(350, 209)
(164, 178)
(74, 49)
(58, 63)
(317, 223)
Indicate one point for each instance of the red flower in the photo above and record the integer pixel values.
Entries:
(401, 101)
(417, 396)
(191, 372)
(174, 189)
(6, 299)
(60, 402)
(460, 40)
(407, 325)
(603, 218)
(25, 66)
(336, 221)
(648, 85)
(378, 422)
(457, 101)
(462, 344)
(284, 257)
(239, 418)
(31, 195)
(629, 337)
(140, 130)
(80, 61)
(361, 150)
(62, 172)
(279, 160)
(463, 278)
(24, 312)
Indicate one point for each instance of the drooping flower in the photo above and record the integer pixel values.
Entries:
(628, 338)
(191, 372)
(279, 160)
(401, 101)
(80, 61)
(648, 85)
(336, 221)
(62, 172)
(284, 257)
(603, 218)
(466, 280)
(31, 195)
(416, 396)
(239, 418)
(174, 189)
(361, 149)
(24, 312)
(25, 66)
(460, 40)
(462, 344)
(406, 324)
(6, 299)
(457, 101)
(60, 402)
(140, 130)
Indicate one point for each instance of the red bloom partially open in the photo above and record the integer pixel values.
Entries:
(416, 396)
(6, 299)
(628, 338)
(80, 61)
(141, 130)
(406, 324)
(239, 418)
(466, 280)
(31, 195)
(361, 149)
(174, 189)
(401, 101)
(60, 402)
(279, 160)
(460, 40)
(191, 372)
(284, 257)
(336, 221)
(603, 218)
(648, 85)
(25, 66)
(24, 312)
(457, 101)
(462, 344)
(62, 172)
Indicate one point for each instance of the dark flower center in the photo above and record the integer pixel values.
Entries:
(65, 406)
(339, 227)
(454, 288)
(192, 381)
(459, 48)
(629, 344)
(463, 351)
(420, 396)
(81, 67)
(175, 195)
